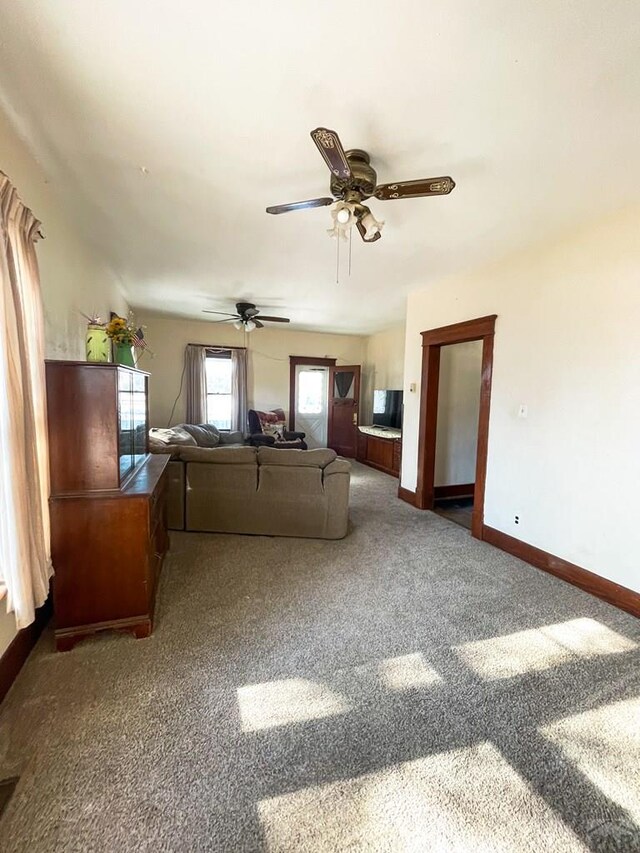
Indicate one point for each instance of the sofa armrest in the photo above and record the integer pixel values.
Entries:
(292, 436)
(338, 466)
(259, 439)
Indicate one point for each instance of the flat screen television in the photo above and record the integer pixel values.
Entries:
(387, 408)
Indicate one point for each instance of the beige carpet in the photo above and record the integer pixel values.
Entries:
(406, 689)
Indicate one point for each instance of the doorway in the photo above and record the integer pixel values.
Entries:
(309, 397)
(457, 431)
(433, 342)
(311, 414)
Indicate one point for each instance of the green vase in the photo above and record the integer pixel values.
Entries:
(124, 355)
(97, 343)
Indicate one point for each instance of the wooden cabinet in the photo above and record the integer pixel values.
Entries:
(108, 509)
(380, 452)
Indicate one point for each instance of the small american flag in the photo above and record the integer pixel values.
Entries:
(139, 342)
(138, 339)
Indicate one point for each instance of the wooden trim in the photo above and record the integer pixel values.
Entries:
(407, 495)
(465, 490)
(312, 360)
(20, 647)
(294, 361)
(482, 447)
(481, 329)
(428, 426)
(609, 591)
(460, 333)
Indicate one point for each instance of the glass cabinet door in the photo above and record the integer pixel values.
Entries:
(125, 422)
(139, 418)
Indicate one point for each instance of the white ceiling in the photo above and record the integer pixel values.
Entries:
(533, 107)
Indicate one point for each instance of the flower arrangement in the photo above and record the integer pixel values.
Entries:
(122, 331)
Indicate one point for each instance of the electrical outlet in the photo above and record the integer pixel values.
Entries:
(516, 519)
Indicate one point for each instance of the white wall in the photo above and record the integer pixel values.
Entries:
(268, 360)
(72, 277)
(566, 345)
(383, 366)
(458, 409)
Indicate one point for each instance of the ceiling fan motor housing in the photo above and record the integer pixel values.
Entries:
(363, 178)
(243, 307)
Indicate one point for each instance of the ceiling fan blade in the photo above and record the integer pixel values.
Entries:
(206, 311)
(330, 147)
(363, 233)
(300, 205)
(259, 325)
(226, 320)
(275, 319)
(415, 189)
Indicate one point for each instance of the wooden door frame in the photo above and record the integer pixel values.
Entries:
(294, 361)
(481, 329)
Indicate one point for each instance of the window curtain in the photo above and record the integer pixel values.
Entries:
(195, 361)
(25, 557)
(239, 390)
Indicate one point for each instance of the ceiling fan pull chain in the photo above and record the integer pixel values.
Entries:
(350, 236)
(338, 261)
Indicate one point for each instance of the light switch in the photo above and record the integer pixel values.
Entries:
(523, 411)
(412, 387)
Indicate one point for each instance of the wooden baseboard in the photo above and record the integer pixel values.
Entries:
(613, 593)
(465, 490)
(20, 647)
(407, 495)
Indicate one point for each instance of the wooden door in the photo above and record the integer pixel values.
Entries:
(344, 401)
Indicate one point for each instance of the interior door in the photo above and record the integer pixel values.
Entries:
(344, 402)
(312, 399)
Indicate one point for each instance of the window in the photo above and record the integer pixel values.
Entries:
(218, 366)
(312, 393)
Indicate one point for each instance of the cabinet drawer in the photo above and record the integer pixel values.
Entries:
(157, 503)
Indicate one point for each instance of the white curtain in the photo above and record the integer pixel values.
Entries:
(239, 390)
(195, 360)
(25, 557)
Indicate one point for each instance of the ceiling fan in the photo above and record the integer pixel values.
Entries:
(353, 179)
(247, 317)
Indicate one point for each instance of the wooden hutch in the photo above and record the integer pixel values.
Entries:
(108, 520)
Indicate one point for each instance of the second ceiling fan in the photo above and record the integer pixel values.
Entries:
(353, 179)
(246, 317)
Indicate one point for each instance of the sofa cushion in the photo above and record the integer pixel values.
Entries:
(205, 435)
(318, 458)
(234, 437)
(170, 435)
(219, 455)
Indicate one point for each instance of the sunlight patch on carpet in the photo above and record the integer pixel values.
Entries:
(407, 672)
(292, 700)
(605, 745)
(463, 800)
(541, 648)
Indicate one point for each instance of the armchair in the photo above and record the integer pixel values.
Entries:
(267, 429)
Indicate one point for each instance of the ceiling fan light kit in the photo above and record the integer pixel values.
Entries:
(372, 227)
(353, 180)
